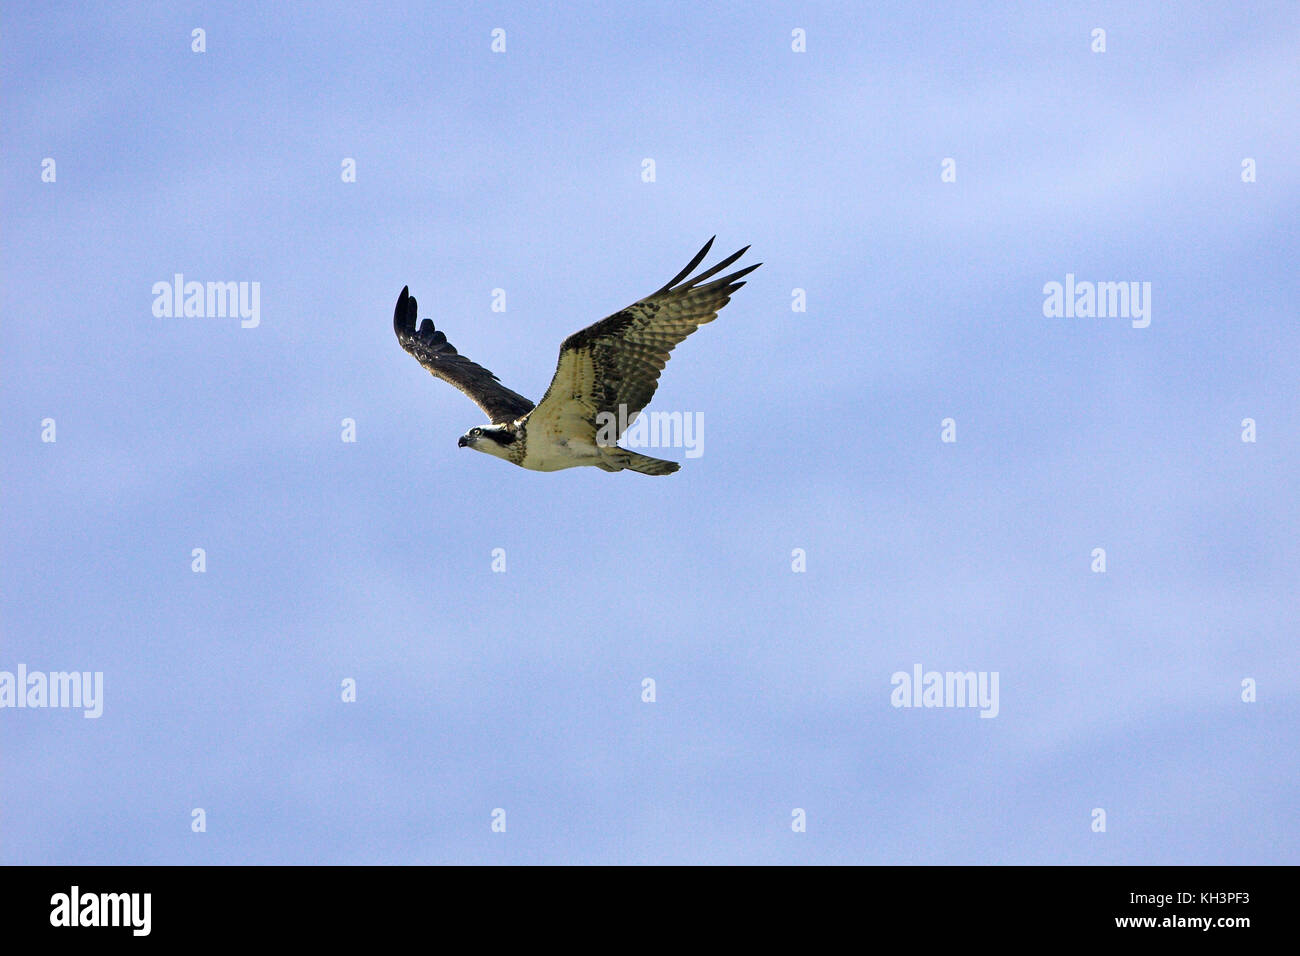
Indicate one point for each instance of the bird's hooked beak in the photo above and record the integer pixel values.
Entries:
(463, 442)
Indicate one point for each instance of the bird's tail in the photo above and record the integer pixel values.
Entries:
(616, 459)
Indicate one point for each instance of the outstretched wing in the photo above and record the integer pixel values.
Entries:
(434, 352)
(617, 361)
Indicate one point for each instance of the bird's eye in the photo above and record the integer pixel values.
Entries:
(476, 431)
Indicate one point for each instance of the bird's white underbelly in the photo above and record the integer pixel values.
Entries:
(553, 456)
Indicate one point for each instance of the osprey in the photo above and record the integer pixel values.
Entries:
(606, 374)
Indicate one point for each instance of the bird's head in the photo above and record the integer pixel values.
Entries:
(490, 439)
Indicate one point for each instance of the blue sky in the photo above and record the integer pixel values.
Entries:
(522, 690)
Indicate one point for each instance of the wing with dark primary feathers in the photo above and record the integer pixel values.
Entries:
(617, 361)
(434, 352)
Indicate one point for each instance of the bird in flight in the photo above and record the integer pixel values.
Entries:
(606, 374)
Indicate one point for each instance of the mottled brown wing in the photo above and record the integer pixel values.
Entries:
(431, 348)
(617, 360)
